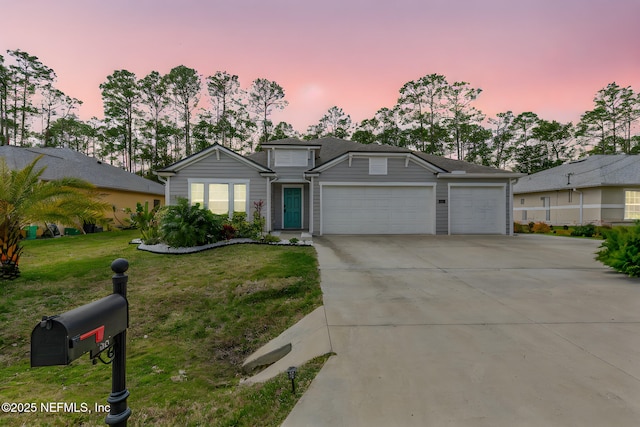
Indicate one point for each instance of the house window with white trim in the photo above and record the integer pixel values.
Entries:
(631, 204)
(221, 198)
(218, 200)
(377, 165)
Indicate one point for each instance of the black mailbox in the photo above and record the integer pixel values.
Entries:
(59, 340)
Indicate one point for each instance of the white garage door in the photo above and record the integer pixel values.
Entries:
(477, 210)
(378, 210)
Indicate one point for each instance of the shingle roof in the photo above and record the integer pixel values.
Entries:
(594, 171)
(332, 148)
(64, 162)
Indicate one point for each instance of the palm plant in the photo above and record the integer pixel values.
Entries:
(25, 198)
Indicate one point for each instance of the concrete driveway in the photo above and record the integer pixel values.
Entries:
(474, 331)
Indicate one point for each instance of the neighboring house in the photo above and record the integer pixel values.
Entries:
(601, 189)
(333, 186)
(119, 188)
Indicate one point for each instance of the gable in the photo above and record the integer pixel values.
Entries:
(376, 168)
(402, 159)
(216, 151)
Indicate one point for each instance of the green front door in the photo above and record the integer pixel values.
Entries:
(292, 207)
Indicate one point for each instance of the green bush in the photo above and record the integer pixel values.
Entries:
(183, 225)
(588, 230)
(270, 238)
(146, 221)
(518, 228)
(244, 228)
(249, 230)
(621, 250)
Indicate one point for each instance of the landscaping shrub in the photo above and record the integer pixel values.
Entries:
(541, 227)
(588, 230)
(250, 230)
(270, 238)
(243, 227)
(518, 228)
(183, 225)
(228, 231)
(146, 221)
(621, 250)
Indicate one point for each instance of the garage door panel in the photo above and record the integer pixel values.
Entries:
(477, 210)
(377, 210)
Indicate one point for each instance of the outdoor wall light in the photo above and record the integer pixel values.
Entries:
(291, 373)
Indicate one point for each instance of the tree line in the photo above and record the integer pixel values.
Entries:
(154, 120)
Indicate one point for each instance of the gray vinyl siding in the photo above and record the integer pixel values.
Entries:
(290, 173)
(212, 168)
(316, 205)
(442, 209)
(359, 172)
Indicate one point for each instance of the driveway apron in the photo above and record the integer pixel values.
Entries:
(474, 331)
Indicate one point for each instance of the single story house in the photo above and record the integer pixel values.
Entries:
(334, 186)
(119, 188)
(600, 189)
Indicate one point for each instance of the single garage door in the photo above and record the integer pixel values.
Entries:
(477, 210)
(378, 210)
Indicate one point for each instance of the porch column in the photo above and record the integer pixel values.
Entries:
(268, 215)
(311, 206)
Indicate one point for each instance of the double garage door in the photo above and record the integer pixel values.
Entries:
(352, 209)
(378, 210)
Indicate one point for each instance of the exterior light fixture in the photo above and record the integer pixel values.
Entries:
(291, 373)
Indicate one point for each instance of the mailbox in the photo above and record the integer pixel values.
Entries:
(61, 339)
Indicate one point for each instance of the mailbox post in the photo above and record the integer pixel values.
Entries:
(94, 328)
(119, 412)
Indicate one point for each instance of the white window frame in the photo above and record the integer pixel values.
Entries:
(230, 183)
(378, 166)
(635, 212)
(291, 158)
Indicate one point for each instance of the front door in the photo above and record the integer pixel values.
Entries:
(292, 207)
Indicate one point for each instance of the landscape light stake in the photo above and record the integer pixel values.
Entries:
(291, 373)
(119, 412)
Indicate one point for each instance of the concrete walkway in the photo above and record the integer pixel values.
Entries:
(474, 331)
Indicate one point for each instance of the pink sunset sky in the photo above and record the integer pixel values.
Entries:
(545, 56)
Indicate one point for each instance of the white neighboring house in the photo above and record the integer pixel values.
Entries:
(600, 190)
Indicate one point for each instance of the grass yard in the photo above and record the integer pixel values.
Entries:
(193, 320)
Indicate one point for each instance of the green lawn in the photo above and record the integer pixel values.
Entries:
(193, 320)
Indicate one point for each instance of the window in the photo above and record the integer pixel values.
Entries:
(570, 196)
(632, 204)
(522, 201)
(291, 157)
(377, 165)
(219, 197)
(524, 215)
(218, 202)
(239, 197)
(546, 203)
(197, 194)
